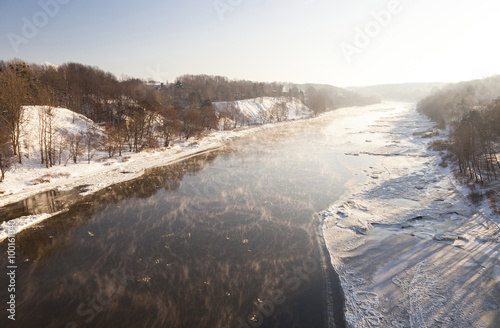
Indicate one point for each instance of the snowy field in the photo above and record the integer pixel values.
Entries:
(409, 248)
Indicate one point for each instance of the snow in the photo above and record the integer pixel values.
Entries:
(253, 109)
(22, 223)
(63, 119)
(102, 171)
(409, 248)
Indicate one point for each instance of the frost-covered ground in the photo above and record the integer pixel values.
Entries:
(409, 248)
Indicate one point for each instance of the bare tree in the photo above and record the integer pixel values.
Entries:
(14, 93)
(136, 128)
(209, 118)
(5, 151)
(231, 116)
(46, 135)
(192, 123)
(121, 137)
(170, 124)
(61, 144)
(111, 142)
(74, 142)
(279, 112)
(264, 117)
(91, 140)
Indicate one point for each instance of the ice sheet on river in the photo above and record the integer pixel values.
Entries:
(409, 249)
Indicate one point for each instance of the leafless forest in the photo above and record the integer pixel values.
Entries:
(132, 114)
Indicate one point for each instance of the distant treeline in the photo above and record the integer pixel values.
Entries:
(133, 113)
(192, 90)
(471, 113)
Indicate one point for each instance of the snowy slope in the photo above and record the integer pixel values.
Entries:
(22, 180)
(253, 109)
(63, 120)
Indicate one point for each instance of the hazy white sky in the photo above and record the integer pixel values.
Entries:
(356, 42)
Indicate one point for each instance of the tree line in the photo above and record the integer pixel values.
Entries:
(473, 125)
(132, 114)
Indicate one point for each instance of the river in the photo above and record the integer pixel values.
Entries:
(224, 239)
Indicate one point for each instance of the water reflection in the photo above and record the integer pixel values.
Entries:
(47, 202)
(199, 240)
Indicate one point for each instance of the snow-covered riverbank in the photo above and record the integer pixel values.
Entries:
(102, 172)
(409, 248)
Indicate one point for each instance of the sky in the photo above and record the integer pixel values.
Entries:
(343, 43)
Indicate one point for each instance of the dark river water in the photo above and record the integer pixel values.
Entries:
(223, 239)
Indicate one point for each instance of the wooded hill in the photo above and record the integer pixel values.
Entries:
(471, 112)
(132, 114)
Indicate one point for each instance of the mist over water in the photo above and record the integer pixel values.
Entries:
(204, 242)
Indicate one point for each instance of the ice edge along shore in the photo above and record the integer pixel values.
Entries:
(409, 248)
(98, 176)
